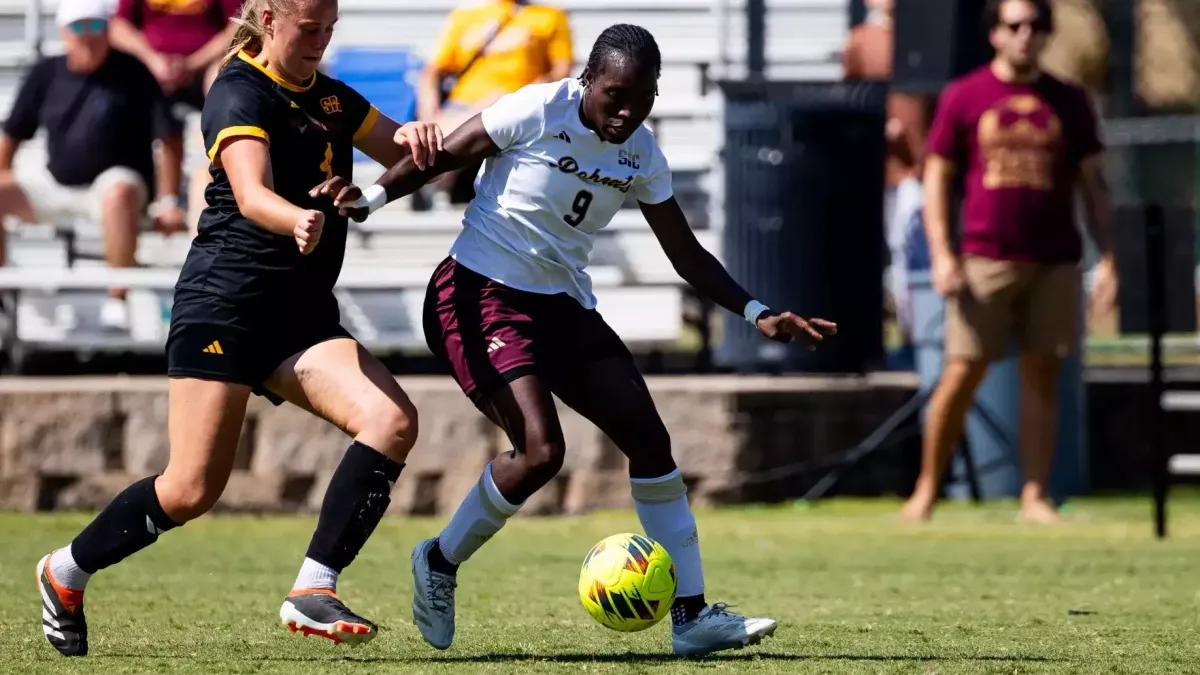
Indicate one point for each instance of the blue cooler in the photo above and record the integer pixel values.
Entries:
(387, 77)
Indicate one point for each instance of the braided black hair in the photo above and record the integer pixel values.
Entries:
(624, 39)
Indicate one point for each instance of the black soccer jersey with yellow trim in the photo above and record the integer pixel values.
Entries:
(311, 131)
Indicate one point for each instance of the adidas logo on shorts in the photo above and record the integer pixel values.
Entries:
(214, 348)
(495, 344)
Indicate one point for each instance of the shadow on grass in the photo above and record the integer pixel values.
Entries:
(627, 657)
(763, 656)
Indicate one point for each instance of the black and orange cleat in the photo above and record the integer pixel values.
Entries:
(321, 612)
(63, 622)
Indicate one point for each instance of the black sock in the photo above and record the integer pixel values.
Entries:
(687, 609)
(358, 494)
(131, 522)
(438, 561)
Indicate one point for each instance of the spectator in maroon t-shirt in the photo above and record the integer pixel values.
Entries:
(181, 42)
(1025, 141)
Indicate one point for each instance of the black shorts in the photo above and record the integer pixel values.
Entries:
(213, 338)
(190, 95)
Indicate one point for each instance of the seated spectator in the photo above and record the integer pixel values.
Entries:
(181, 42)
(100, 109)
(489, 49)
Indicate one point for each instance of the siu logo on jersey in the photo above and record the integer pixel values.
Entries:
(569, 164)
(627, 159)
(330, 105)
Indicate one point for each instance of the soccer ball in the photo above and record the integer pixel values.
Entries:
(627, 582)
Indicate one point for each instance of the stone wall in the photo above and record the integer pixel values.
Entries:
(73, 443)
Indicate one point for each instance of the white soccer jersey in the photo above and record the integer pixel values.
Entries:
(539, 202)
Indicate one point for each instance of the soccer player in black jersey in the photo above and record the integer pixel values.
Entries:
(254, 312)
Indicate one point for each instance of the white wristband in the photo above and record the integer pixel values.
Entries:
(753, 310)
(375, 196)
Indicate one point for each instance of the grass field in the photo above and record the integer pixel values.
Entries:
(855, 591)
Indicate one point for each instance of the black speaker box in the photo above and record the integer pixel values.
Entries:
(936, 41)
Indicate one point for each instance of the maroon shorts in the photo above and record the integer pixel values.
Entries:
(488, 334)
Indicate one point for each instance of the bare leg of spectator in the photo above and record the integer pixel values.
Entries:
(200, 177)
(120, 210)
(945, 418)
(1039, 430)
(13, 202)
(171, 168)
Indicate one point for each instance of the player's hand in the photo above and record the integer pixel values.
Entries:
(346, 196)
(424, 140)
(170, 221)
(160, 67)
(308, 231)
(786, 327)
(169, 70)
(948, 279)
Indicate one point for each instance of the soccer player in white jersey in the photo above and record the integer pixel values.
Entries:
(512, 315)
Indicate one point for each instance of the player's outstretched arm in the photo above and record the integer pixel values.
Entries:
(706, 274)
(467, 144)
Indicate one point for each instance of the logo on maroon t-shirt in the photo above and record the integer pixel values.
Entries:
(178, 7)
(1019, 138)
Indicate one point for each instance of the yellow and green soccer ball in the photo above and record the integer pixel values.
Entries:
(627, 582)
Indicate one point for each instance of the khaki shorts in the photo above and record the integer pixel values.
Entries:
(53, 202)
(1038, 304)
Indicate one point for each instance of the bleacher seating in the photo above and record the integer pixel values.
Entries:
(389, 258)
(386, 76)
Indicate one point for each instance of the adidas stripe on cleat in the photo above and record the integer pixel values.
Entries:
(63, 622)
(322, 613)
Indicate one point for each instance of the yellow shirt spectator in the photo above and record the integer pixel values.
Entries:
(534, 45)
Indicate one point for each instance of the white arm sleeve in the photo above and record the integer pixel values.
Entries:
(516, 119)
(656, 188)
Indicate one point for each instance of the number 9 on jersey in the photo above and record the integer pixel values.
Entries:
(579, 208)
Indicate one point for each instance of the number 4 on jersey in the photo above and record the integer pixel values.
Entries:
(327, 165)
(579, 208)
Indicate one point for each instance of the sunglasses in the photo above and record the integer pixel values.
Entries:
(89, 27)
(1035, 26)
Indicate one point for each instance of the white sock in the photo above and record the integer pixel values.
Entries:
(478, 519)
(315, 575)
(65, 571)
(662, 506)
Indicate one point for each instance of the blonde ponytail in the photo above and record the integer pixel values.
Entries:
(249, 34)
